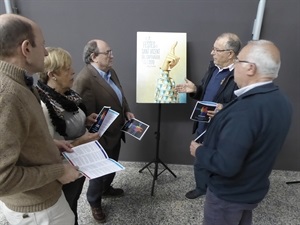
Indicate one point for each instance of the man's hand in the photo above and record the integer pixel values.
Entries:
(63, 146)
(211, 114)
(129, 115)
(71, 174)
(193, 147)
(187, 87)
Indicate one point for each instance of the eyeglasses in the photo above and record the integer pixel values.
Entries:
(108, 52)
(220, 50)
(242, 61)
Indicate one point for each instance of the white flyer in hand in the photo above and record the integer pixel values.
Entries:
(92, 160)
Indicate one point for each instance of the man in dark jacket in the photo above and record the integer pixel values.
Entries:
(244, 138)
(218, 86)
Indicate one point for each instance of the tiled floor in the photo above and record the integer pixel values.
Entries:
(169, 206)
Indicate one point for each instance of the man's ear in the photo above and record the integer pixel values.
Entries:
(93, 56)
(231, 55)
(26, 47)
(252, 69)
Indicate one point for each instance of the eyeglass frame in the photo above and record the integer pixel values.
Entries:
(108, 52)
(242, 61)
(220, 50)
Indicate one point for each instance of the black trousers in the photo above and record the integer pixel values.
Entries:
(72, 193)
(99, 185)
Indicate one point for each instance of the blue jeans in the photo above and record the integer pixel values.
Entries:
(218, 211)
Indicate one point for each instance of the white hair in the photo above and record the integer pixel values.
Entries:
(267, 65)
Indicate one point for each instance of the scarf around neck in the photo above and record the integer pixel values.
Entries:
(57, 103)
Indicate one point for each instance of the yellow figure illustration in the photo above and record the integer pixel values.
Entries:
(165, 86)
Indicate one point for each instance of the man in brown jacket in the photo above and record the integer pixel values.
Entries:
(98, 85)
(31, 169)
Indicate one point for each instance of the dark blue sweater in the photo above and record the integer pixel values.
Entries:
(224, 94)
(242, 143)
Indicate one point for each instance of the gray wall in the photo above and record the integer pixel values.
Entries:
(71, 23)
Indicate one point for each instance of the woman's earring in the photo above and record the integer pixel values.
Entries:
(54, 78)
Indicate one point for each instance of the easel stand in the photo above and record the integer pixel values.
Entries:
(156, 160)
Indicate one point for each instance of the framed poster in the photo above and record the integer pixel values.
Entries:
(161, 65)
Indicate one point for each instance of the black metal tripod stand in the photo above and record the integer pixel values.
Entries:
(156, 160)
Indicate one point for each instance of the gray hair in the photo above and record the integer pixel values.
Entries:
(90, 48)
(233, 42)
(266, 62)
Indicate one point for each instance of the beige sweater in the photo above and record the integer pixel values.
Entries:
(30, 163)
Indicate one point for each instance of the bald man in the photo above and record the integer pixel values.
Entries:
(244, 138)
(98, 85)
(31, 168)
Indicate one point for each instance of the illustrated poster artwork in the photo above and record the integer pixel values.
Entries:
(161, 65)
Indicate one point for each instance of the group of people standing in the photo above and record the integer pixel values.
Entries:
(41, 121)
(233, 160)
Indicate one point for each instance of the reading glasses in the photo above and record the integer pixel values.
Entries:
(108, 52)
(220, 50)
(242, 61)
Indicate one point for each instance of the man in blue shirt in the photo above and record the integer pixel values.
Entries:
(243, 140)
(218, 86)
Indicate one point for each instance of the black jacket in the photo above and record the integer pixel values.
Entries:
(225, 93)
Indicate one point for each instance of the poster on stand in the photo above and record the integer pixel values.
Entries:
(161, 65)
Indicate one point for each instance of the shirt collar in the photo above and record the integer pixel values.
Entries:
(102, 73)
(243, 90)
(230, 67)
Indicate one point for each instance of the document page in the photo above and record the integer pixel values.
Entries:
(135, 128)
(109, 118)
(104, 119)
(92, 160)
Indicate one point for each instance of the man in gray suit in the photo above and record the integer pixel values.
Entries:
(98, 85)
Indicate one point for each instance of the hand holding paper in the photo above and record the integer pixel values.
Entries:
(104, 119)
(92, 160)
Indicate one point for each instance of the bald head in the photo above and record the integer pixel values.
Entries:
(258, 61)
(266, 57)
(233, 42)
(22, 43)
(13, 30)
(93, 46)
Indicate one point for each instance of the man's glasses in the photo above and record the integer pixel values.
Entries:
(108, 52)
(220, 50)
(242, 61)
